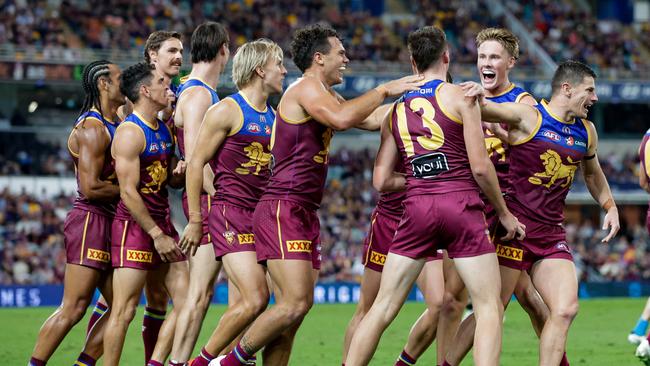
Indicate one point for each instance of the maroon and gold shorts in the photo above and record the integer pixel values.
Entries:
(286, 230)
(132, 247)
(452, 221)
(206, 203)
(379, 239)
(542, 241)
(231, 229)
(87, 237)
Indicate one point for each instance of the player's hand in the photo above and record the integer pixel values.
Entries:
(400, 86)
(474, 90)
(166, 248)
(611, 222)
(180, 168)
(513, 227)
(191, 238)
(498, 131)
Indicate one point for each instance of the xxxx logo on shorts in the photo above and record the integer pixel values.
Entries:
(377, 258)
(246, 238)
(230, 236)
(510, 252)
(299, 246)
(98, 255)
(139, 256)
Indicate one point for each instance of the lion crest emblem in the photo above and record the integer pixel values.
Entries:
(554, 169)
(158, 174)
(258, 159)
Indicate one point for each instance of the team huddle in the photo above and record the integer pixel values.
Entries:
(473, 180)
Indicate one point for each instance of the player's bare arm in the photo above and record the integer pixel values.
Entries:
(376, 118)
(191, 114)
(176, 173)
(482, 169)
(384, 177)
(127, 146)
(319, 102)
(92, 140)
(218, 122)
(501, 132)
(598, 186)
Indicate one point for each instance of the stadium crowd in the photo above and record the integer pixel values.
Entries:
(31, 239)
(564, 29)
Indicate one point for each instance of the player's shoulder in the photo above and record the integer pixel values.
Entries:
(225, 109)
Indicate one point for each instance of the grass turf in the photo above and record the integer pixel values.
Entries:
(597, 337)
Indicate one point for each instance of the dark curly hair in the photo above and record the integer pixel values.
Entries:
(207, 40)
(426, 46)
(309, 40)
(134, 77)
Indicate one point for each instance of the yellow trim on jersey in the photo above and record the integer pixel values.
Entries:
(100, 113)
(76, 154)
(442, 108)
(144, 137)
(390, 118)
(126, 225)
(555, 117)
(185, 79)
(521, 96)
(241, 116)
(277, 218)
(589, 136)
(291, 121)
(512, 86)
(372, 226)
(533, 132)
(251, 104)
(83, 238)
(149, 124)
(647, 159)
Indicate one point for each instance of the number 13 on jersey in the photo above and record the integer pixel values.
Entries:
(424, 109)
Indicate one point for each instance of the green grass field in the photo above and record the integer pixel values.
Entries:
(598, 336)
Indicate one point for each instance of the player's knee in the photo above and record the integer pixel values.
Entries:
(451, 304)
(124, 313)
(75, 310)
(257, 304)
(297, 310)
(567, 312)
(157, 299)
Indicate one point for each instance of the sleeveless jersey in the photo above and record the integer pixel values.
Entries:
(644, 154)
(431, 144)
(108, 169)
(542, 167)
(498, 151)
(241, 165)
(299, 161)
(186, 84)
(390, 203)
(154, 164)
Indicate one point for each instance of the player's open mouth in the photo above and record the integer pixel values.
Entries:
(489, 75)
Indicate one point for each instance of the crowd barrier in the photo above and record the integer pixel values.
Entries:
(324, 293)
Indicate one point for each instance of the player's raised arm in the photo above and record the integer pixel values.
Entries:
(216, 125)
(376, 118)
(384, 177)
(93, 142)
(482, 168)
(127, 146)
(326, 108)
(598, 186)
(510, 113)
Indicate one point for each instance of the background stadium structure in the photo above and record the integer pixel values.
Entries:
(44, 46)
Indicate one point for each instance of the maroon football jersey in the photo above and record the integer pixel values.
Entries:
(300, 154)
(107, 172)
(390, 203)
(431, 144)
(154, 165)
(241, 165)
(542, 168)
(644, 153)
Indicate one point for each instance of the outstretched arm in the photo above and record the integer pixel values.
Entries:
(598, 186)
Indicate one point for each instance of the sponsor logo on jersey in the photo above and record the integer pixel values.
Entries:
(303, 246)
(570, 141)
(98, 255)
(246, 238)
(229, 236)
(139, 256)
(566, 130)
(254, 128)
(510, 252)
(429, 166)
(551, 135)
(562, 246)
(153, 148)
(580, 143)
(377, 258)
(267, 130)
